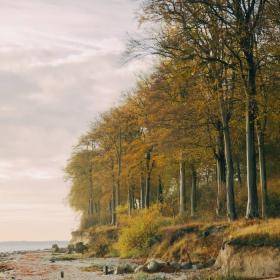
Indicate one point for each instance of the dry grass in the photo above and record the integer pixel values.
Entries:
(201, 241)
(102, 238)
(255, 233)
(195, 242)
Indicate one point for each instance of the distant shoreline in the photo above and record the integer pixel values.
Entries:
(29, 246)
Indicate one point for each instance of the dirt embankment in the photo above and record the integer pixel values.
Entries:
(249, 261)
(245, 248)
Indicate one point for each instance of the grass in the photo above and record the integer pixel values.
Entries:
(65, 257)
(193, 242)
(256, 233)
(92, 268)
(200, 241)
(229, 277)
(146, 276)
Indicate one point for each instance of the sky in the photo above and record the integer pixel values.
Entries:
(60, 65)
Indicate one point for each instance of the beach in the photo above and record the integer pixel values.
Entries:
(39, 265)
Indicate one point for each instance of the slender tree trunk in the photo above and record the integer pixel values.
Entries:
(219, 189)
(238, 170)
(160, 191)
(251, 107)
(119, 156)
(182, 187)
(221, 180)
(129, 201)
(252, 204)
(91, 199)
(231, 211)
(142, 191)
(133, 200)
(110, 212)
(114, 215)
(194, 191)
(263, 178)
(148, 190)
(149, 168)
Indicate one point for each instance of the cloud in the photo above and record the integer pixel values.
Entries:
(60, 66)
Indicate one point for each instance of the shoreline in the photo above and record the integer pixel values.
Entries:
(39, 264)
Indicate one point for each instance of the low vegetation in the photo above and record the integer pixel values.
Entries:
(140, 232)
(257, 233)
(148, 234)
(146, 276)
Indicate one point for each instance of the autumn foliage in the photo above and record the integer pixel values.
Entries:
(199, 135)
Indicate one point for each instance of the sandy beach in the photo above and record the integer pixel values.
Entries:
(37, 265)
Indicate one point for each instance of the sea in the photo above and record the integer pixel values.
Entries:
(12, 246)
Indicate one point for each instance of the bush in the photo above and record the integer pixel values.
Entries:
(140, 233)
(102, 239)
(55, 248)
(70, 248)
(80, 247)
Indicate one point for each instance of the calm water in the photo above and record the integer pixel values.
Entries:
(29, 246)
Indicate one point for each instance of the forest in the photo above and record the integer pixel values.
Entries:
(199, 135)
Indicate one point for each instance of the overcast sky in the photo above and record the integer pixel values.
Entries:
(60, 65)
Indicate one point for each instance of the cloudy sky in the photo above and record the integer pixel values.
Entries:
(60, 65)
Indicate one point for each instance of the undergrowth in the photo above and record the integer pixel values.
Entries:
(140, 232)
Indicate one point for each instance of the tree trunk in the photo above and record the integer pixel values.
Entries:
(133, 200)
(148, 190)
(129, 201)
(252, 203)
(221, 180)
(114, 215)
(160, 191)
(91, 200)
(193, 193)
(238, 170)
(231, 211)
(251, 106)
(219, 189)
(110, 211)
(149, 168)
(182, 187)
(119, 156)
(142, 191)
(263, 179)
